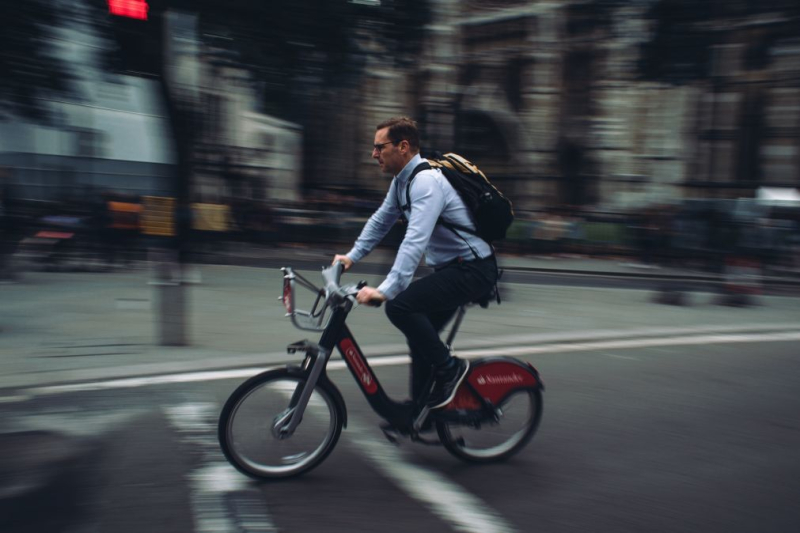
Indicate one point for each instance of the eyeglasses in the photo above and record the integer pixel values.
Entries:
(379, 147)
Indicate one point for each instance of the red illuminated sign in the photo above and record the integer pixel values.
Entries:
(135, 9)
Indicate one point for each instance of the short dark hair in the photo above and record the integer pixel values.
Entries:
(401, 129)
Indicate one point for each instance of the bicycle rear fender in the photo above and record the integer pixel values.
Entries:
(326, 384)
(494, 379)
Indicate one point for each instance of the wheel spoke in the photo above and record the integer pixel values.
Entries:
(252, 418)
(491, 441)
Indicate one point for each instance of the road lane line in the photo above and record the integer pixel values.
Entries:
(447, 500)
(222, 499)
(15, 398)
(638, 343)
(617, 356)
(561, 347)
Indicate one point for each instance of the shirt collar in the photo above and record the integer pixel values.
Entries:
(404, 174)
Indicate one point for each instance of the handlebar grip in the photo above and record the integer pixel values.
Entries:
(375, 303)
(332, 275)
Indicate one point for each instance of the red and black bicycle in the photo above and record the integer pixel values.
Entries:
(284, 422)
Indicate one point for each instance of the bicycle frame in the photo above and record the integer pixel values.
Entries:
(336, 334)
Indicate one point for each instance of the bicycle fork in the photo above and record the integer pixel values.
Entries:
(286, 422)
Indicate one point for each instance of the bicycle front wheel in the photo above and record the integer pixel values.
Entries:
(492, 440)
(246, 423)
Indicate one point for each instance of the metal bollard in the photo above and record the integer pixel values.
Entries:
(170, 298)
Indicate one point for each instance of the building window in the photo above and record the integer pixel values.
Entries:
(779, 162)
(89, 143)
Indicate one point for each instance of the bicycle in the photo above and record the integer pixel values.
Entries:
(260, 430)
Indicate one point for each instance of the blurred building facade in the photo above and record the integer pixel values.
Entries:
(548, 99)
(110, 135)
(240, 153)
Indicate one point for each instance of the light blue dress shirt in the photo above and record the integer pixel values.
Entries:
(432, 197)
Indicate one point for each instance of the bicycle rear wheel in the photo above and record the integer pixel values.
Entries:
(491, 440)
(246, 427)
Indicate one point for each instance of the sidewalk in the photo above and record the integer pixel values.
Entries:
(66, 327)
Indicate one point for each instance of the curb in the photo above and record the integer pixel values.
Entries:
(382, 267)
(65, 381)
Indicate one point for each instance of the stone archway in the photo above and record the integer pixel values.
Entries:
(488, 130)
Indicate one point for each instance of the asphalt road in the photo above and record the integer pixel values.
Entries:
(659, 435)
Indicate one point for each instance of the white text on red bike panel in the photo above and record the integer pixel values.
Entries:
(359, 366)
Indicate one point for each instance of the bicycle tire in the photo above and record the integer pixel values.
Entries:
(467, 448)
(245, 426)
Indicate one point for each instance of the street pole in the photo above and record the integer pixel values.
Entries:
(171, 295)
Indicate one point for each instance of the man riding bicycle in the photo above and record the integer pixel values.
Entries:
(465, 269)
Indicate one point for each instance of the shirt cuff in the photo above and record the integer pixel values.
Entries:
(387, 289)
(354, 255)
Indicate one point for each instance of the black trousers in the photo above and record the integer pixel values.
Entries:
(427, 305)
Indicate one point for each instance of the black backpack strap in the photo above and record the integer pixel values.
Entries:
(419, 168)
(455, 228)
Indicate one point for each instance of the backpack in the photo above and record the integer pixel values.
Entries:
(491, 211)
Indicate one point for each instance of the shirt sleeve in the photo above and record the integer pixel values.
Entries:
(427, 204)
(377, 226)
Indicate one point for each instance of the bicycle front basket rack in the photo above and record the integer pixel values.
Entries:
(313, 320)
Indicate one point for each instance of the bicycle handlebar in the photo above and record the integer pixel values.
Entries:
(331, 294)
(331, 276)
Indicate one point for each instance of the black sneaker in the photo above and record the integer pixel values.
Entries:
(446, 385)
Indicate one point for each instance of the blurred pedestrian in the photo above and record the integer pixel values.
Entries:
(124, 230)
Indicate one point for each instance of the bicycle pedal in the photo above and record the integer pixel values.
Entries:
(303, 346)
(392, 435)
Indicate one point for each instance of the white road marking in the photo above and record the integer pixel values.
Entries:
(617, 356)
(638, 343)
(447, 500)
(145, 381)
(15, 398)
(561, 347)
(222, 499)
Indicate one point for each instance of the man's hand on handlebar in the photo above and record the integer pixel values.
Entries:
(346, 261)
(370, 296)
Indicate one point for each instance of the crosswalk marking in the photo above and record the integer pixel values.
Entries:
(223, 500)
(445, 499)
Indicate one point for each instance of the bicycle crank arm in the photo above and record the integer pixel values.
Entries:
(421, 419)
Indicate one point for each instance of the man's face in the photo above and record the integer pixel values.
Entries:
(389, 156)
